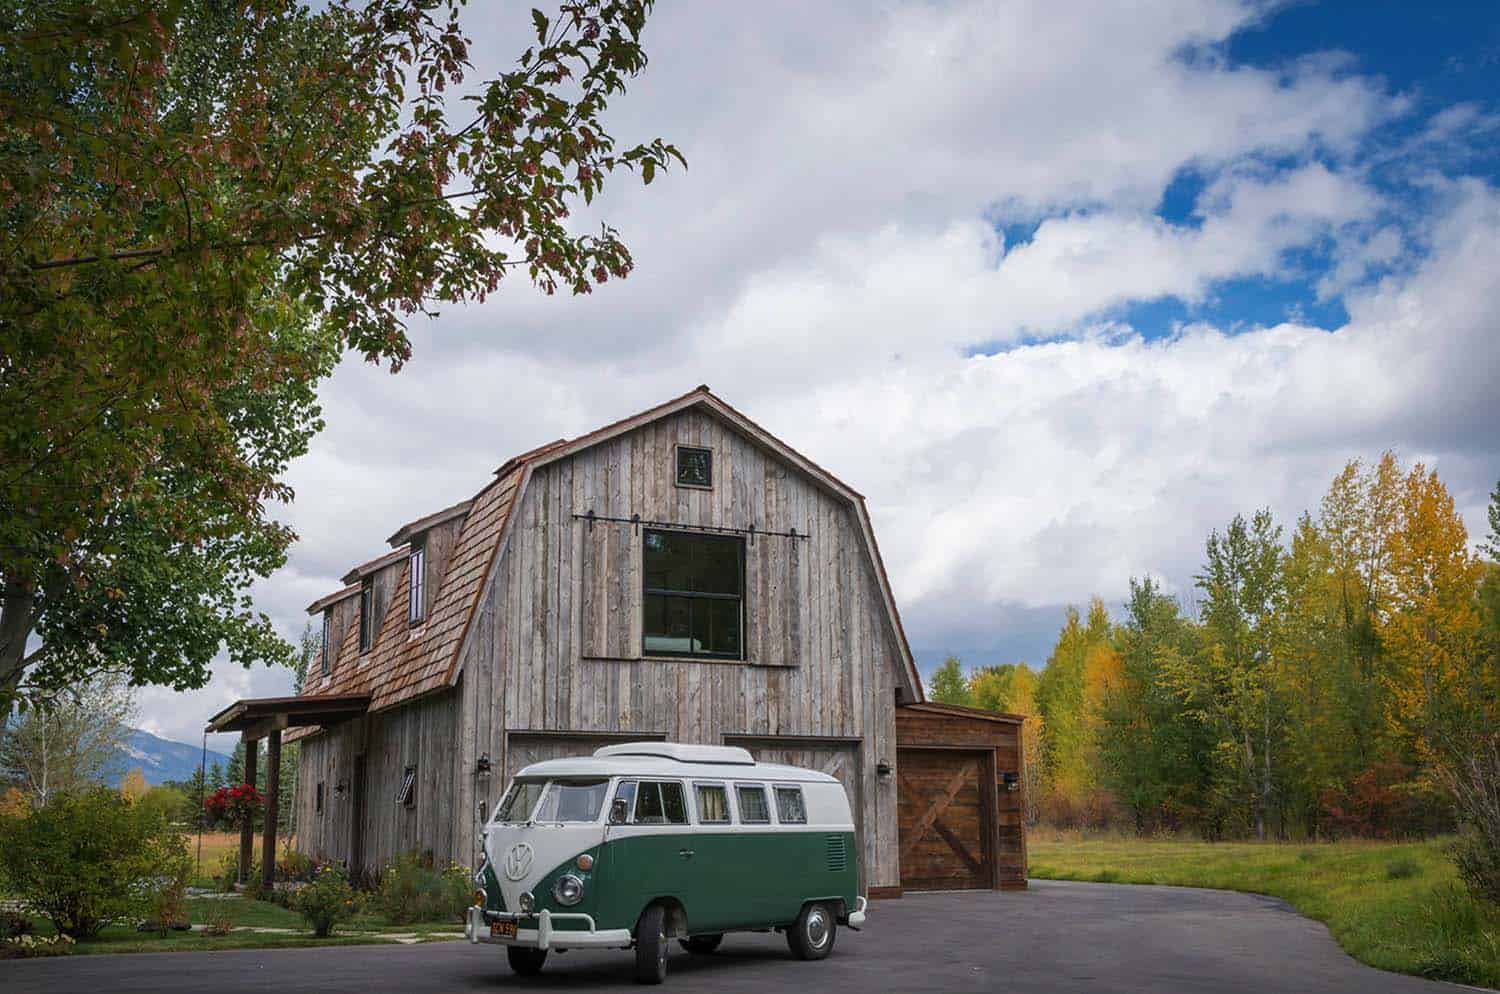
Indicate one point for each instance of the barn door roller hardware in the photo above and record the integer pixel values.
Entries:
(635, 521)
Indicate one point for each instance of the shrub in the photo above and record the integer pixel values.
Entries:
(1474, 783)
(1402, 868)
(229, 872)
(169, 898)
(293, 865)
(87, 859)
(15, 923)
(1382, 802)
(413, 889)
(25, 946)
(219, 917)
(326, 901)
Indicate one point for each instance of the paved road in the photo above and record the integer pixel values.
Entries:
(1056, 938)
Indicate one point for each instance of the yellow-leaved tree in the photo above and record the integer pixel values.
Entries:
(1437, 673)
(1011, 689)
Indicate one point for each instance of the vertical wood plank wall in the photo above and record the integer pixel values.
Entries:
(556, 644)
(420, 734)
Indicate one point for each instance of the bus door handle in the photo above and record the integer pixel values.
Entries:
(685, 853)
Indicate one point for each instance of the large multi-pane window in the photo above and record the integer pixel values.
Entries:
(694, 594)
(366, 615)
(416, 607)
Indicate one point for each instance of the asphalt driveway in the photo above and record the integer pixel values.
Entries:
(1057, 937)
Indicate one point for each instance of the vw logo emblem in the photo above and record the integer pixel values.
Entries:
(518, 861)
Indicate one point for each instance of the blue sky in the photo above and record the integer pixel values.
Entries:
(1059, 287)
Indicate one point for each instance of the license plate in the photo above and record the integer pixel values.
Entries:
(503, 929)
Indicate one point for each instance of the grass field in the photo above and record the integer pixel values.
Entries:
(1397, 906)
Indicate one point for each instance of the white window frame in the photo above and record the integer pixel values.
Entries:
(770, 807)
(729, 818)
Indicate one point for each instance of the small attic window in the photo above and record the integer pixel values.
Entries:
(695, 467)
(366, 614)
(406, 797)
(416, 608)
(326, 664)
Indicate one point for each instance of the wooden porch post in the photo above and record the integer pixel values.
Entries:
(273, 786)
(247, 830)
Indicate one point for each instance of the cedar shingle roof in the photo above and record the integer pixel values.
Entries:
(407, 662)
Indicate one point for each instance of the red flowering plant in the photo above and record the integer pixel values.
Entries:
(235, 805)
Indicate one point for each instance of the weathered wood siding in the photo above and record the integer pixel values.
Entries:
(420, 734)
(556, 643)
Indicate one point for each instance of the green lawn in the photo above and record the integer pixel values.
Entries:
(365, 929)
(1397, 906)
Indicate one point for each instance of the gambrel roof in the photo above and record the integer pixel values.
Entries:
(408, 662)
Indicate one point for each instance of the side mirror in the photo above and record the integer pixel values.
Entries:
(617, 812)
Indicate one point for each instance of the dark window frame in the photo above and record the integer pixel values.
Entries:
(416, 599)
(366, 615)
(325, 665)
(647, 592)
(677, 452)
(406, 796)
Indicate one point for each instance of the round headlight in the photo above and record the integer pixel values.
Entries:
(526, 902)
(568, 890)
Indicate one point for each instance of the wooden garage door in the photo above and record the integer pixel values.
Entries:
(944, 824)
(524, 748)
(839, 759)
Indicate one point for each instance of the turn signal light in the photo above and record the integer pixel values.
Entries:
(480, 897)
(585, 861)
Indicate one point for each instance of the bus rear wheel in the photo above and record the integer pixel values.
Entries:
(702, 944)
(526, 961)
(811, 935)
(651, 945)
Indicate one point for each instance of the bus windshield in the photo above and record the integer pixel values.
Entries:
(572, 800)
(519, 800)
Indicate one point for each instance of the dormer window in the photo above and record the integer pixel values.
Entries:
(416, 606)
(366, 613)
(327, 664)
(695, 467)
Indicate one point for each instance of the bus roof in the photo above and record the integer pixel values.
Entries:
(634, 765)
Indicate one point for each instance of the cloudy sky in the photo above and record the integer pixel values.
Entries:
(1059, 287)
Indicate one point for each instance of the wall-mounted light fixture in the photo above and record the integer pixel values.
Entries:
(340, 789)
(482, 767)
(1012, 781)
(882, 768)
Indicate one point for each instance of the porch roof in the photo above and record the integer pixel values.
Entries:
(265, 713)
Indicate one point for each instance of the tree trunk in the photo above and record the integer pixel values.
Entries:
(17, 616)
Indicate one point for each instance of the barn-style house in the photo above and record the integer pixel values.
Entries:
(681, 574)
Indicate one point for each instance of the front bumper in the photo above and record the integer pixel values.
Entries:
(545, 936)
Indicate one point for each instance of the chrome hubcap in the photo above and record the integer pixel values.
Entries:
(817, 927)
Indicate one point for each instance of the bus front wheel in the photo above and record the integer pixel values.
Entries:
(525, 961)
(651, 945)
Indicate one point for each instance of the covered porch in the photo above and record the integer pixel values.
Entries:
(266, 718)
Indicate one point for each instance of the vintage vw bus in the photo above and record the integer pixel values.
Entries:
(650, 841)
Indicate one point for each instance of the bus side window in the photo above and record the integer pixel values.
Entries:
(620, 808)
(713, 804)
(790, 808)
(753, 808)
(674, 806)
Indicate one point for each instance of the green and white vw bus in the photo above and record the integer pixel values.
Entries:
(650, 841)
